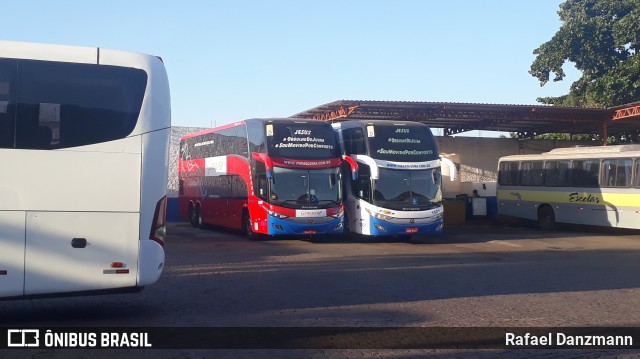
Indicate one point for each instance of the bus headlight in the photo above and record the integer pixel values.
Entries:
(378, 215)
(275, 214)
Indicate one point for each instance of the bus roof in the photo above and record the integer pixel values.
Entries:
(581, 153)
(263, 120)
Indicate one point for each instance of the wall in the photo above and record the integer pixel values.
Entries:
(479, 156)
(174, 151)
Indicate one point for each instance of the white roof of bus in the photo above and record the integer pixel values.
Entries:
(580, 153)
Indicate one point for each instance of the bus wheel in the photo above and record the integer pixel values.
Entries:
(197, 215)
(247, 229)
(192, 217)
(546, 218)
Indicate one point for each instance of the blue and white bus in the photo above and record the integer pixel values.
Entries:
(397, 189)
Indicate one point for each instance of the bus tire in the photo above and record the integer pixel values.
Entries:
(247, 229)
(197, 214)
(546, 218)
(192, 216)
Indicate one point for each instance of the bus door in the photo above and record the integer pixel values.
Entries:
(12, 242)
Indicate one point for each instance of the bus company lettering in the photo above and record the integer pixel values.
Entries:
(205, 143)
(576, 197)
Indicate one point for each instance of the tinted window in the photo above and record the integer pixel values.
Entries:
(361, 187)
(301, 140)
(531, 173)
(401, 143)
(8, 73)
(508, 173)
(65, 104)
(616, 173)
(354, 141)
(227, 186)
(585, 173)
(557, 173)
(636, 180)
(230, 141)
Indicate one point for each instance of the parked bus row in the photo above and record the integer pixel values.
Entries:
(295, 176)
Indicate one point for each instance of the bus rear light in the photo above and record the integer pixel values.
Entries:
(158, 226)
(122, 271)
(117, 265)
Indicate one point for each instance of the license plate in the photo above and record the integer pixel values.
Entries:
(411, 230)
(310, 231)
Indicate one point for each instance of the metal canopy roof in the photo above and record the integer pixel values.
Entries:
(526, 120)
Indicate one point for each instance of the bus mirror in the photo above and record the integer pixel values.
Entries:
(354, 166)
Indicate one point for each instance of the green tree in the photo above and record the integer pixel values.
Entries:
(602, 39)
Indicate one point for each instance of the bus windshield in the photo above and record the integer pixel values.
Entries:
(292, 187)
(301, 140)
(407, 189)
(401, 143)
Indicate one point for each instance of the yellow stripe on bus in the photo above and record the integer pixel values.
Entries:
(573, 197)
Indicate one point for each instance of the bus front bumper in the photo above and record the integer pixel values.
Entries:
(278, 226)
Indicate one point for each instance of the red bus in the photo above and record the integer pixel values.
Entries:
(263, 176)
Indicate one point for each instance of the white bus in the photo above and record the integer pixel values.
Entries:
(581, 185)
(84, 137)
(397, 190)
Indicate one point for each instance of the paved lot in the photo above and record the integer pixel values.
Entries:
(471, 276)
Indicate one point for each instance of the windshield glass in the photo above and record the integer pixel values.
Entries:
(292, 187)
(301, 140)
(401, 143)
(404, 189)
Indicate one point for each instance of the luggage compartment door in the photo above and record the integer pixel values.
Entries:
(80, 251)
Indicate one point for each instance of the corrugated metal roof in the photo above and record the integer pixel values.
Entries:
(457, 117)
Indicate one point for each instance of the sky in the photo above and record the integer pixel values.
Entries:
(229, 60)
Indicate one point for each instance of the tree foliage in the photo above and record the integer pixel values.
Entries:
(602, 39)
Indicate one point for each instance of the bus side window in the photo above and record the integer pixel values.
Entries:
(585, 173)
(616, 173)
(531, 173)
(260, 181)
(362, 186)
(6, 127)
(508, 173)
